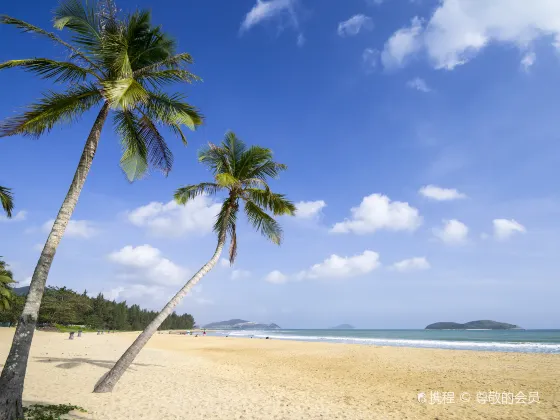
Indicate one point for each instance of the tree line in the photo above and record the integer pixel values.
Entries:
(64, 306)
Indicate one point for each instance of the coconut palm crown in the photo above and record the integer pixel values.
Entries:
(242, 173)
(121, 63)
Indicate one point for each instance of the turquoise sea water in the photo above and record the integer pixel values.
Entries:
(524, 341)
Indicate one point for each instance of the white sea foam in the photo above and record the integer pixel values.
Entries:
(524, 347)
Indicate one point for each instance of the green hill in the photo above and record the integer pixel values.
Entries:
(472, 325)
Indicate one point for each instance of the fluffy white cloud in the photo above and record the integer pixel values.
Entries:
(75, 228)
(343, 267)
(309, 209)
(276, 277)
(441, 194)
(224, 262)
(240, 274)
(402, 44)
(379, 212)
(354, 25)
(459, 29)
(504, 228)
(282, 10)
(18, 217)
(145, 265)
(172, 219)
(411, 264)
(419, 84)
(370, 57)
(528, 60)
(453, 232)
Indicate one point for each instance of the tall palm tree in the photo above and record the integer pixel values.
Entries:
(117, 65)
(6, 282)
(7, 199)
(242, 173)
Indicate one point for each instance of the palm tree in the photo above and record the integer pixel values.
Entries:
(242, 173)
(119, 65)
(6, 282)
(7, 199)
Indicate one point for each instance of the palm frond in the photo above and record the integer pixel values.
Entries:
(134, 160)
(172, 110)
(61, 71)
(226, 218)
(53, 108)
(173, 62)
(159, 154)
(187, 193)
(27, 27)
(234, 148)
(226, 179)
(276, 203)
(216, 158)
(262, 222)
(82, 20)
(124, 93)
(163, 77)
(7, 200)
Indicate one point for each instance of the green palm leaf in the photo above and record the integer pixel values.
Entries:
(7, 200)
(189, 192)
(61, 71)
(262, 222)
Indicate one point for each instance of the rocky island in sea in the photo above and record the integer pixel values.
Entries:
(473, 325)
(240, 324)
(342, 327)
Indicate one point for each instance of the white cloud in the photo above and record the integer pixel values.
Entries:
(411, 264)
(402, 44)
(240, 274)
(224, 263)
(172, 219)
(459, 29)
(528, 60)
(309, 209)
(75, 228)
(343, 267)
(441, 194)
(378, 212)
(276, 277)
(354, 25)
(283, 11)
(419, 84)
(453, 232)
(504, 228)
(370, 57)
(18, 217)
(145, 265)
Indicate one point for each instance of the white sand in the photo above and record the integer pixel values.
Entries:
(183, 377)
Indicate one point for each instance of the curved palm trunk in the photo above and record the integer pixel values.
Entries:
(109, 380)
(13, 374)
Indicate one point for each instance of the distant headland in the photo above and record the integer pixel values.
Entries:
(240, 324)
(342, 327)
(473, 325)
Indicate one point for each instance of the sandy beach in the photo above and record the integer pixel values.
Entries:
(180, 377)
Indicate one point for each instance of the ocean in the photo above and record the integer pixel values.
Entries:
(522, 341)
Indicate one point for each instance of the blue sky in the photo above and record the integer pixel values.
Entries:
(422, 144)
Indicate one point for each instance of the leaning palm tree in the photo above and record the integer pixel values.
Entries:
(6, 282)
(117, 65)
(7, 199)
(242, 173)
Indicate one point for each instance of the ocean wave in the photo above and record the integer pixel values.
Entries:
(523, 347)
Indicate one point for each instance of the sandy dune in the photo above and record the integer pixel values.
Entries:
(183, 377)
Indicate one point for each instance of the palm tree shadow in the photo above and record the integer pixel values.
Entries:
(64, 363)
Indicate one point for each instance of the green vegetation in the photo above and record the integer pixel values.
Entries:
(49, 412)
(472, 325)
(6, 281)
(70, 311)
(7, 200)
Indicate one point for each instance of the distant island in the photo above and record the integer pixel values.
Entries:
(342, 327)
(240, 324)
(473, 325)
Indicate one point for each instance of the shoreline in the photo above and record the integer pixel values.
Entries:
(178, 376)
